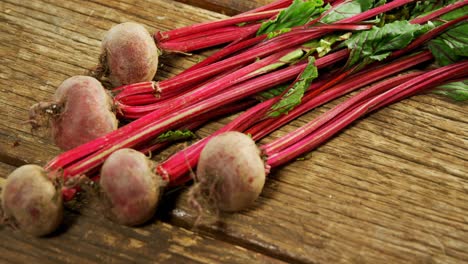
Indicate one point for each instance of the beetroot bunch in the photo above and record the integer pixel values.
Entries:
(277, 63)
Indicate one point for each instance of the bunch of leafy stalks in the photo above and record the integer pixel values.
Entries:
(254, 64)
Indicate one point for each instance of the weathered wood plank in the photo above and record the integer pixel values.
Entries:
(228, 7)
(86, 237)
(393, 188)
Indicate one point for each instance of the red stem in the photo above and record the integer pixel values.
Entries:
(239, 45)
(248, 72)
(135, 89)
(315, 137)
(157, 99)
(428, 36)
(275, 5)
(208, 39)
(296, 136)
(140, 99)
(201, 120)
(207, 26)
(375, 11)
(204, 34)
(439, 12)
(228, 50)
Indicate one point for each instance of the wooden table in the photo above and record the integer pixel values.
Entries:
(393, 188)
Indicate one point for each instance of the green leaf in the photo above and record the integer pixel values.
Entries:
(457, 91)
(324, 46)
(176, 135)
(293, 97)
(291, 57)
(273, 92)
(347, 9)
(451, 46)
(422, 8)
(378, 43)
(457, 13)
(321, 46)
(298, 13)
(278, 32)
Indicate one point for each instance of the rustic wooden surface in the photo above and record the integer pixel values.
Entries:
(393, 188)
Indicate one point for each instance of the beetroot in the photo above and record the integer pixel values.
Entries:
(128, 55)
(230, 172)
(130, 187)
(80, 112)
(31, 201)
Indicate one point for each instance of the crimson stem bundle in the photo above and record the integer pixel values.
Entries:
(250, 48)
(237, 187)
(250, 123)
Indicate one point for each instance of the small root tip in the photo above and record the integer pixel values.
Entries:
(101, 70)
(8, 222)
(41, 113)
(198, 208)
(157, 89)
(204, 201)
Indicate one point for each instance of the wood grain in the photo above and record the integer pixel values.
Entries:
(393, 188)
(228, 7)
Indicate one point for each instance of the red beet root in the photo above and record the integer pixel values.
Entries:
(230, 172)
(130, 187)
(129, 55)
(80, 112)
(31, 201)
